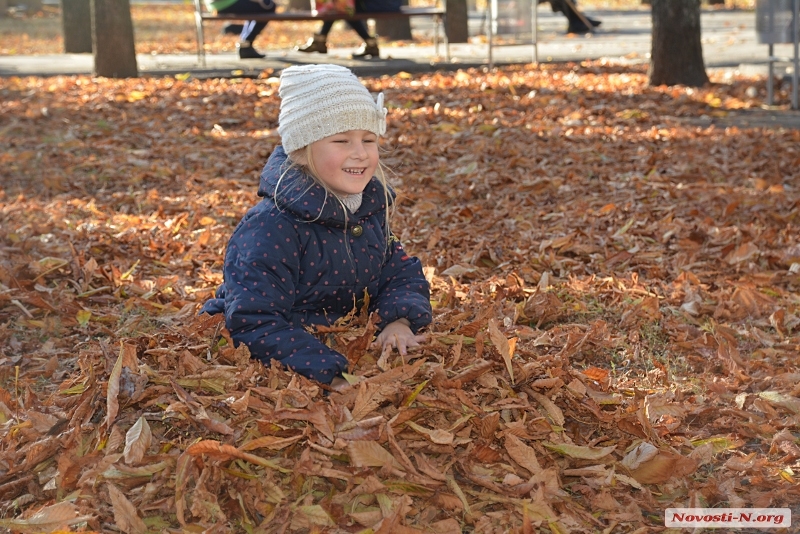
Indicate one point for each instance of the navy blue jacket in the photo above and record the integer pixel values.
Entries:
(289, 265)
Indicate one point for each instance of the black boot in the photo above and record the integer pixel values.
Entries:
(368, 50)
(246, 51)
(318, 43)
(232, 29)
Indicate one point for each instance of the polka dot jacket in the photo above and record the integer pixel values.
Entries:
(292, 263)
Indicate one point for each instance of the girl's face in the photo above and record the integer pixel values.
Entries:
(346, 162)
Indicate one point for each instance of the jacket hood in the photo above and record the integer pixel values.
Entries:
(299, 194)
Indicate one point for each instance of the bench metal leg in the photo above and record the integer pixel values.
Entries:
(198, 22)
(770, 80)
(443, 21)
(436, 22)
(796, 32)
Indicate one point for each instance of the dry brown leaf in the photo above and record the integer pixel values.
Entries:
(125, 515)
(112, 402)
(662, 467)
(137, 441)
(437, 435)
(504, 346)
(370, 454)
(522, 454)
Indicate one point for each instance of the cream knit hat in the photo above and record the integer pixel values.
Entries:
(318, 101)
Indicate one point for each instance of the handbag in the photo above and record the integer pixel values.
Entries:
(345, 7)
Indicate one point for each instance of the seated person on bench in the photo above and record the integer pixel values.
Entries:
(319, 42)
(250, 29)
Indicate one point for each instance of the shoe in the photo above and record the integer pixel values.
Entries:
(318, 43)
(577, 25)
(246, 51)
(232, 29)
(580, 28)
(368, 50)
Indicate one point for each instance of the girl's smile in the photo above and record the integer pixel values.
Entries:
(345, 162)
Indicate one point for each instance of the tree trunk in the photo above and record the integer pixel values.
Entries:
(112, 39)
(456, 26)
(76, 23)
(677, 55)
(3, 8)
(394, 30)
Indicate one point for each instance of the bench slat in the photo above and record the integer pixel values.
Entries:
(310, 15)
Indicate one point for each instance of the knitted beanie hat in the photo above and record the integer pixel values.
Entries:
(318, 101)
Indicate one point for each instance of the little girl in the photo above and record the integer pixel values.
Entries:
(319, 240)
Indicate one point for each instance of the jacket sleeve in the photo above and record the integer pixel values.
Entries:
(404, 293)
(261, 275)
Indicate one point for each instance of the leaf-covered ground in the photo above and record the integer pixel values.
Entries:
(614, 285)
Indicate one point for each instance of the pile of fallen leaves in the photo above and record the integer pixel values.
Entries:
(614, 282)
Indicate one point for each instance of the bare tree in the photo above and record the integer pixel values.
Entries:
(677, 55)
(76, 24)
(112, 37)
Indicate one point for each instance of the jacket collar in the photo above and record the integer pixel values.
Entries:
(302, 196)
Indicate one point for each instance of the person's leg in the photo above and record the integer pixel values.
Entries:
(360, 27)
(250, 29)
(576, 25)
(326, 27)
(370, 47)
(319, 41)
(232, 28)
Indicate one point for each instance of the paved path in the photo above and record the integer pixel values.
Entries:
(729, 40)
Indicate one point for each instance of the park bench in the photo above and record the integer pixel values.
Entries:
(436, 13)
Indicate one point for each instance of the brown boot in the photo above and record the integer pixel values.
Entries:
(368, 50)
(318, 43)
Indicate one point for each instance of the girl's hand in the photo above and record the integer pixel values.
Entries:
(398, 335)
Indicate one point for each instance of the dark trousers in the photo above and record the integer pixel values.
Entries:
(251, 28)
(364, 6)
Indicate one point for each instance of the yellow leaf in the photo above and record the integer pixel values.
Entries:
(183, 76)
(135, 96)
(83, 317)
(447, 127)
